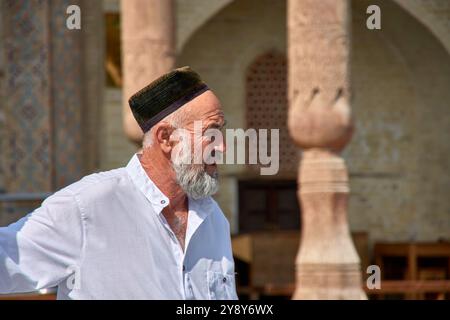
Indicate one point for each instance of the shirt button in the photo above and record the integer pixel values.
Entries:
(224, 280)
(163, 201)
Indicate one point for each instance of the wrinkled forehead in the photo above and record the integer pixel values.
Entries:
(206, 107)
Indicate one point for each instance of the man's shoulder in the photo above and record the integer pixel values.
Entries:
(98, 183)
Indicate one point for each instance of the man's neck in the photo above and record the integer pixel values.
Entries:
(159, 170)
(162, 175)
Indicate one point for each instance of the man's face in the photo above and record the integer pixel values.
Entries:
(197, 177)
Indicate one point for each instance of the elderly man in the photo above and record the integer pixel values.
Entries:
(149, 230)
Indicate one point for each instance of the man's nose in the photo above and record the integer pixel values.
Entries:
(221, 146)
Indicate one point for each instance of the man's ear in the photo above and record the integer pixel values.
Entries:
(162, 136)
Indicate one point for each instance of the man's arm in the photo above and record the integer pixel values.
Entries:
(39, 250)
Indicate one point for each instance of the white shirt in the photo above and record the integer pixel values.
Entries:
(105, 237)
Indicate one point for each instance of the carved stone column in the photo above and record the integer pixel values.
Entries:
(148, 47)
(327, 265)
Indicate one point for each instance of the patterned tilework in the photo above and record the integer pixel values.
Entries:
(26, 134)
(66, 77)
(42, 100)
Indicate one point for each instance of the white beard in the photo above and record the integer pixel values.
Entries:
(193, 178)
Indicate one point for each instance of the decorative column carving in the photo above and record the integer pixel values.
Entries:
(148, 50)
(319, 121)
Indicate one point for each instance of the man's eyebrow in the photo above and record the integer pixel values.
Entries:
(217, 125)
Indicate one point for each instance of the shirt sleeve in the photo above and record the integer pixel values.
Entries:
(43, 248)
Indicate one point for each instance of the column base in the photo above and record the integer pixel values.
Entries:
(329, 282)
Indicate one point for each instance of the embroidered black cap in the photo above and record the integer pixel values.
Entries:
(165, 95)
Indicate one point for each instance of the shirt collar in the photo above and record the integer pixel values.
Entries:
(198, 209)
(155, 196)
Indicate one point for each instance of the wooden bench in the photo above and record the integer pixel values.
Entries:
(412, 252)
